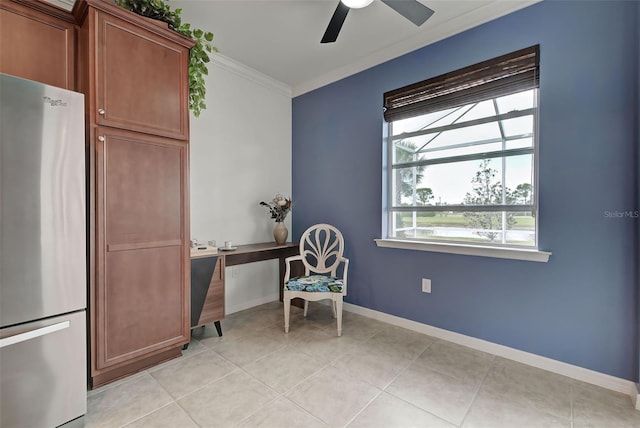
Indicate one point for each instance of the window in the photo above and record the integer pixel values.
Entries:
(462, 155)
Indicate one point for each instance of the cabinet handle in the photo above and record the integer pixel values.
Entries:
(101, 139)
(101, 112)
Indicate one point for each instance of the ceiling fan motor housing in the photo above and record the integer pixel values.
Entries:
(412, 10)
(356, 4)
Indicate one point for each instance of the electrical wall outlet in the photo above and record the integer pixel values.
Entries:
(235, 272)
(426, 285)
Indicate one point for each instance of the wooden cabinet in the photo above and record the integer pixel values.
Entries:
(133, 60)
(37, 42)
(133, 73)
(140, 294)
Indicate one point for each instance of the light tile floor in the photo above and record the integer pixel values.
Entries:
(375, 375)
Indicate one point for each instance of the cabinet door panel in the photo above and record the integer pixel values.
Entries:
(141, 299)
(144, 304)
(142, 80)
(145, 189)
(36, 46)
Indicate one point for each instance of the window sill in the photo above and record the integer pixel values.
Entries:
(467, 250)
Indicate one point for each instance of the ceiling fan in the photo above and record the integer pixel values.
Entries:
(413, 10)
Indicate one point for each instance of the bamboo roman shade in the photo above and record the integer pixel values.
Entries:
(506, 74)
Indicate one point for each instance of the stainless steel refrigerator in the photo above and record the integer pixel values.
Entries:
(43, 357)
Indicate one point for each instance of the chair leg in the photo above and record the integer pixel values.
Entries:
(306, 307)
(287, 308)
(333, 308)
(339, 315)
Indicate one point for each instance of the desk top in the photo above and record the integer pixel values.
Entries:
(264, 246)
(258, 252)
(264, 249)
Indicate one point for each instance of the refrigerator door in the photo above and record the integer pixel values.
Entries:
(43, 372)
(42, 204)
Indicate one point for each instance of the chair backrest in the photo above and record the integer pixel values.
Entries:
(321, 248)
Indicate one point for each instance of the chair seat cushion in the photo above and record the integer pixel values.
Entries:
(315, 283)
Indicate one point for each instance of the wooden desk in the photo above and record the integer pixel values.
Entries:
(207, 289)
(207, 277)
(258, 252)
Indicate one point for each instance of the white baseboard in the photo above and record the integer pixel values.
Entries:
(579, 373)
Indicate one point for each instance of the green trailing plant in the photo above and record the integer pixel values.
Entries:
(198, 55)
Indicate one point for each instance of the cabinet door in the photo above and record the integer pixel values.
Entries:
(142, 79)
(141, 296)
(36, 46)
(213, 309)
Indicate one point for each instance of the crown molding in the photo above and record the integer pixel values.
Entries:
(461, 23)
(251, 74)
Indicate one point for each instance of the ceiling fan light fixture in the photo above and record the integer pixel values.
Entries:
(413, 10)
(356, 4)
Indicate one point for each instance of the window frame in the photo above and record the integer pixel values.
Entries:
(528, 79)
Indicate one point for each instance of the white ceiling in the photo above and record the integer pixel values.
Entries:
(281, 38)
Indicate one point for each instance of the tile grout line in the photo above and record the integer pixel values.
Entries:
(281, 395)
(236, 368)
(278, 394)
(380, 392)
(480, 384)
(405, 369)
(154, 410)
(384, 390)
(571, 397)
(315, 374)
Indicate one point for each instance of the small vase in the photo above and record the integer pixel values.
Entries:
(280, 233)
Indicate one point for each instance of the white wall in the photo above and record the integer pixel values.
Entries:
(240, 155)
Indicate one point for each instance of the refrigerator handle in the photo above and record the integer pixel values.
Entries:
(22, 337)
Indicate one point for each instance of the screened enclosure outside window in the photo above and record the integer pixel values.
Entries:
(462, 154)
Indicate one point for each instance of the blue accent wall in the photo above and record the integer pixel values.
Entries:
(581, 306)
(638, 191)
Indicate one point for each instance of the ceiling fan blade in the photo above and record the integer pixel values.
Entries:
(333, 29)
(413, 10)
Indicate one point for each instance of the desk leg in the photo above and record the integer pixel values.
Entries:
(283, 269)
